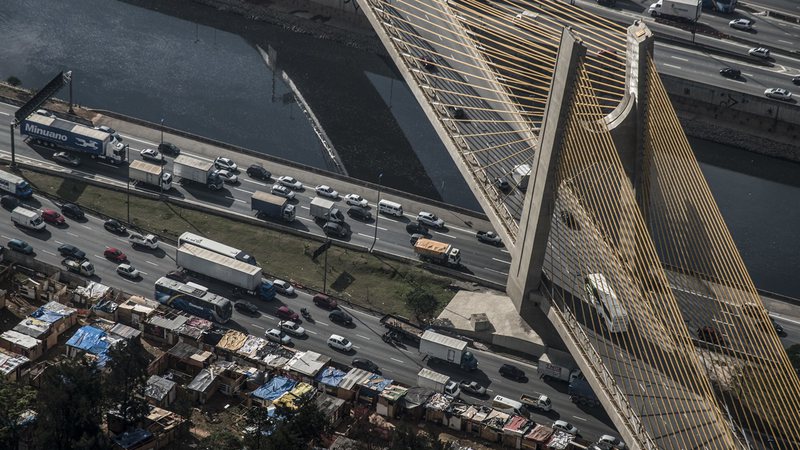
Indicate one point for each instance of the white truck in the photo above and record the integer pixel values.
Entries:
(27, 218)
(550, 367)
(438, 252)
(521, 175)
(150, 174)
(198, 171)
(438, 346)
(680, 10)
(61, 134)
(439, 382)
(84, 268)
(223, 268)
(536, 401)
(272, 206)
(324, 209)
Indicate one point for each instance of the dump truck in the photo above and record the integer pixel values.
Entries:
(225, 269)
(536, 401)
(439, 382)
(144, 173)
(438, 346)
(563, 369)
(84, 268)
(437, 252)
(271, 206)
(197, 170)
(324, 209)
(61, 134)
(581, 392)
(680, 10)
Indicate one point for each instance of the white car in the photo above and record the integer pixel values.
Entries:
(276, 335)
(339, 343)
(283, 287)
(228, 176)
(566, 427)
(150, 241)
(289, 327)
(290, 182)
(612, 441)
(223, 163)
(282, 191)
(45, 113)
(759, 52)
(110, 131)
(151, 154)
(324, 190)
(356, 200)
(430, 219)
(128, 271)
(778, 93)
(741, 24)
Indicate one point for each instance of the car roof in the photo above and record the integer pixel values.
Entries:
(336, 336)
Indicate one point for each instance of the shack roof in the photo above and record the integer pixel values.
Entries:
(307, 363)
(20, 340)
(393, 393)
(125, 332)
(517, 425)
(183, 351)
(496, 419)
(53, 312)
(274, 388)
(252, 346)
(32, 327)
(133, 439)
(331, 376)
(203, 380)
(417, 396)
(232, 340)
(539, 434)
(10, 361)
(353, 378)
(560, 440)
(158, 387)
(168, 323)
(375, 382)
(439, 402)
(194, 327)
(93, 291)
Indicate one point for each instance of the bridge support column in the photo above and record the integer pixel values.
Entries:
(527, 259)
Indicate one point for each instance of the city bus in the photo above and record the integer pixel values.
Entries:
(15, 185)
(193, 299)
(606, 303)
(216, 247)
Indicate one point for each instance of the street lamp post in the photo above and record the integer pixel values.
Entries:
(128, 150)
(162, 130)
(377, 213)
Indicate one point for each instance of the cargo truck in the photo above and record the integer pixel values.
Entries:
(62, 134)
(15, 185)
(438, 382)
(324, 209)
(680, 10)
(198, 171)
(551, 368)
(536, 401)
(84, 268)
(437, 252)
(225, 269)
(272, 206)
(581, 392)
(438, 346)
(149, 174)
(521, 175)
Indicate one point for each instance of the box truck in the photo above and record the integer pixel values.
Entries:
(27, 218)
(324, 209)
(558, 369)
(198, 171)
(439, 382)
(680, 10)
(62, 134)
(521, 175)
(446, 348)
(225, 269)
(437, 252)
(271, 206)
(149, 174)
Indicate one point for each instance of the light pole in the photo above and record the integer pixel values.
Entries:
(162, 130)
(377, 213)
(128, 150)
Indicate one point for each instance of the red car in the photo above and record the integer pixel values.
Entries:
(52, 217)
(115, 254)
(287, 314)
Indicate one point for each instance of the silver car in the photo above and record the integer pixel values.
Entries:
(430, 219)
(223, 163)
(275, 335)
(778, 94)
(290, 182)
(66, 158)
(323, 190)
(282, 191)
(228, 176)
(741, 24)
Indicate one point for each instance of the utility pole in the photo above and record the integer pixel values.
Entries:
(377, 213)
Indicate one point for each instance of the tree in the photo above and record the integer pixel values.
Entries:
(13, 81)
(300, 428)
(364, 432)
(221, 440)
(70, 407)
(15, 399)
(405, 437)
(421, 301)
(125, 381)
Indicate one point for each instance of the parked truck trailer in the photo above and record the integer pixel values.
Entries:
(446, 348)
(144, 173)
(437, 252)
(271, 206)
(198, 171)
(62, 134)
(225, 269)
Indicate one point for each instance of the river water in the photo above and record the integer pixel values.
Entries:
(202, 73)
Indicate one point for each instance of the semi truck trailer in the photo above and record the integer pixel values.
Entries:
(446, 348)
(272, 206)
(680, 10)
(62, 134)
(225, 269)
(437, 252)
(198, 171)
(324, 209)
(149, 174)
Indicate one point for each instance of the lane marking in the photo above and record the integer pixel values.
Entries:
(366, 235)
(673, 66)
(445, 235)
(151, 263)
(239, 200)
(72, 234)
(57, 242)
(49, 252)
(355, 346)
(784, 318)
(254, 182)
(363, 337)
(99, 257)
(243, 190)
(257, 326)
(312, 332)
(580, 418)
(4, 113)
(786, 42)
(679, 58)
(496, 271)
(6, 237)
(502, 261)
(323, 323)
(398, 360)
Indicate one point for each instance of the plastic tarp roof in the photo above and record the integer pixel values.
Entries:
(517, 425)
(86, 338)
(331, 376)
(252, 346)
(33, 327)
(376, 382)
(274, 388)
(417, 396)
(47, 316)
(290, 399)
(132, 439)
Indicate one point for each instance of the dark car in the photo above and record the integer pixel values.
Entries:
(177, 275)
(778, 328)
(730, 72)
(72, 210)
(429, 64)
(246, 308)
(489, 237)
(114, 226)
(259, 172)
(456, 113)
(335, 229)
(9, 201)
(710, 334)
(513, 372)
(417, 228)
(365, 364)
(502, 184)
(168, 148)
(324, 301)
(287, 314)
(341, 317)
(359, 213)
(71, 251)
(18, 245)
(796, 80)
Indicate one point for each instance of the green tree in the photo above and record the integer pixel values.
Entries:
(405, 437)
(302, 428)
(421, 302)
(70, 408)
(125, 381)
(221, 440)
(364, 432)
(15, 398)
(13, 81)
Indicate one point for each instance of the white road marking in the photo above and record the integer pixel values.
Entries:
(495, 380)
(128, 137)
(383, 229)
(254, 182)
(387, 218)
(786, 42)
(445, 235)
(367, 235)
(72, 234)
(57, 242)
(747, 74)
(496, 271)
(580, 418)
(243, 190)
(363, 337)
(305, 207)
(129, 281)
(257, 326)
(151, 263)
(4, 113)
(86, 226)
(49, 252)
(121, 240)
(323, 323)
(505, 251)
(355, 346)
(239, 200)
(312, 332)
(398, 360)
(679, 58)
(306, 219)
(99, 257)
(778, 316)
(673, 66)
(6, 237)
(502, 261)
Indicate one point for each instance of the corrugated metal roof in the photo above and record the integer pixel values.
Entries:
(22, 340)
(354, 377)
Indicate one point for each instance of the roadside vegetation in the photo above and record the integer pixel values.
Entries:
(364, 279)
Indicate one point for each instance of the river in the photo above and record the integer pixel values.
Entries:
(202, 73)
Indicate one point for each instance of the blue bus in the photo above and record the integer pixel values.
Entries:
(193, 299)
(723, 6)
(15, 185)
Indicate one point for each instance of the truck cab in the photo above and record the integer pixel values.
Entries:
(84, 268)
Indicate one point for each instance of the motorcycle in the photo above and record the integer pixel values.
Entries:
(306, 314)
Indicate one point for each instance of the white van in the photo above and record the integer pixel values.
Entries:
(391, 208)
(27, 218)
(508, 405)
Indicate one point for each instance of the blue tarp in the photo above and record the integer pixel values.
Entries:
(87, 337)
(274, 388)
(134, 438)
(45, 315)
(376, 382)
(331, 376)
